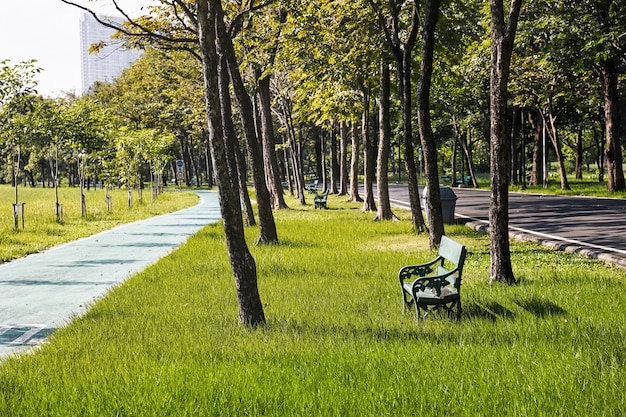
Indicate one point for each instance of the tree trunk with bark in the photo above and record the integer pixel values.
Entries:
(502, 34)
(368, 156)
(558, 150)
(234, 159)
(323, 171)
(334, 162)
(599, 143)
(343, 158)
(295, 150)
(536, 175)
(319, 153)
(613, 149)
(429, 145)
(464, 141)
(272, 175)
(402, 53)
(354, 164)
(384, 145)
(267, 225)
(242, 263)
(579, 152)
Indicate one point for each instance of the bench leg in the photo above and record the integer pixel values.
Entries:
(419, 308)
(453, 309)
(407, 300)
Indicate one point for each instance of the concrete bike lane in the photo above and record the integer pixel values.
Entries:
(44, 291)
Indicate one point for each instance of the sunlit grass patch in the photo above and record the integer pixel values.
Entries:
(167, 342)
(42, 230)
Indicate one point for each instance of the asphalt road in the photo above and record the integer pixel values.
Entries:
(44, 291)
(594, 227)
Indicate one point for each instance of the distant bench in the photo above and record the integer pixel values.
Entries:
(320, 200)
(435, 284)
(447, 179)
(312, 188)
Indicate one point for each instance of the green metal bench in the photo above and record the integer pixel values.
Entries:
(320, 200)
(312, 188)
(466, 180)
(436, 284)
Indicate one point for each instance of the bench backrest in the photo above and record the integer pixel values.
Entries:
(453, 252)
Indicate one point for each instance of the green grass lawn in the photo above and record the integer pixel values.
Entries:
(337, 343)
(42, 231)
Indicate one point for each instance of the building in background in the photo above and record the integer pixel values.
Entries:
(107, 64)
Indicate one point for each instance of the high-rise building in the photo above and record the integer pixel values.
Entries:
(107, 64)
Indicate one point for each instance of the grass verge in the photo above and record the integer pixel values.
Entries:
(41, 230)
(167, 341)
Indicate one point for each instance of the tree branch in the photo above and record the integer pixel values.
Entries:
(383, 26)
(144, 32)
(237, 23)
(188, 12)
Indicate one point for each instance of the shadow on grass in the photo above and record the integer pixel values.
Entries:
(491, 311)
(293, 243)
(539, 307)
(411, 332)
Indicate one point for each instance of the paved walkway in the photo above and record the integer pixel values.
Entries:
(44, 291)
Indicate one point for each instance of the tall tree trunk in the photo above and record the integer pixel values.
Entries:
(579, 155)
(502, 34)
(322, 161)
(613, 148)
(318, 148)
(464, 141)
(515, 173)
(234, 158)
(597, 137)
(272, 175)
(429, 146)
(402, 53)
(417, 218)
(384, 145)
(343, 158)
(369, 204)
(453, 163)
(241, 261)
(354, 164)
(285, 161)
(334, 162)
(536, 176)
(267, 225)
(556, 144)
(295, 152)
(207, 158)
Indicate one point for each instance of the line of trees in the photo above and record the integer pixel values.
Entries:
(49, 140)
(279, 92)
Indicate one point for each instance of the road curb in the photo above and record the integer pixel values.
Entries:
(603, 256)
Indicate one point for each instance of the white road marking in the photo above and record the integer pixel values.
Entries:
(552, 237)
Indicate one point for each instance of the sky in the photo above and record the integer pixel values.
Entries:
(48, 31)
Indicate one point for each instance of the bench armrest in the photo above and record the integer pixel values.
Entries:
(436, 282)
(409, 272)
